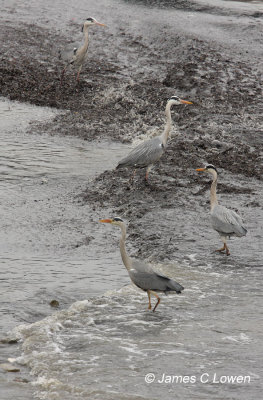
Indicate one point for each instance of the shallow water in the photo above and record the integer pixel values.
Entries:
(107, 345)
(42, 228)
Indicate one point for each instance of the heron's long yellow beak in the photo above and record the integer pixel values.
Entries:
(108, 221)
(100, 24)
(185, 102)
(200, 169)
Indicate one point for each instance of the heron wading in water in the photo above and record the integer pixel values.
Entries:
(226, 222)
(76, 55)
(141, 273)
(149, 152)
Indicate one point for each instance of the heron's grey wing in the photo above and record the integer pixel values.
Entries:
(146, 278)
(69, 52)
(145, 154)
(227, 222)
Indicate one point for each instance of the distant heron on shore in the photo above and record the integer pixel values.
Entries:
(149, 152)
(226, 222)
(76, 54)
(141, 273)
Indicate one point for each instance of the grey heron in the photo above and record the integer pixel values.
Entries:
(141, 273)
(76, 55)
(226, 222)
(148, 152)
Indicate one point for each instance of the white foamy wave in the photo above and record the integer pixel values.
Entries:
(52, 347)
(241, 338)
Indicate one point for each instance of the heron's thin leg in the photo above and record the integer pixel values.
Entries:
(147, 172)
(149, 297)
(80, 68)
(227, 250)
(158, 299)
(63, 74)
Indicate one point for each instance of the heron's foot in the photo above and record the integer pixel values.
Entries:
(149, 307)
(148, 184)
(222, 249)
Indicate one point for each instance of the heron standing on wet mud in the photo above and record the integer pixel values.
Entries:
(226, 222)
(76, 56)
(141, 273)
(149, 152)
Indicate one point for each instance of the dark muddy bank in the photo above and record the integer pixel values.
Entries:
(122, 93)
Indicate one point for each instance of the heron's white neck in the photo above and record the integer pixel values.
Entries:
(124, 255)
(86, 36)
(213, 198)
(168, 124)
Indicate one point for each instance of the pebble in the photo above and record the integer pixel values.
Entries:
(9, 367)
(54, 303)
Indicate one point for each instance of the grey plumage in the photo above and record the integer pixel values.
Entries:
(69, 53)
(227, 222)
(141, 273)
(143, 276)
(145, 154)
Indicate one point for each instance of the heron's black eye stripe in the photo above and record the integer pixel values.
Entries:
(90, 19)
(211, 167)
(118, 219)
